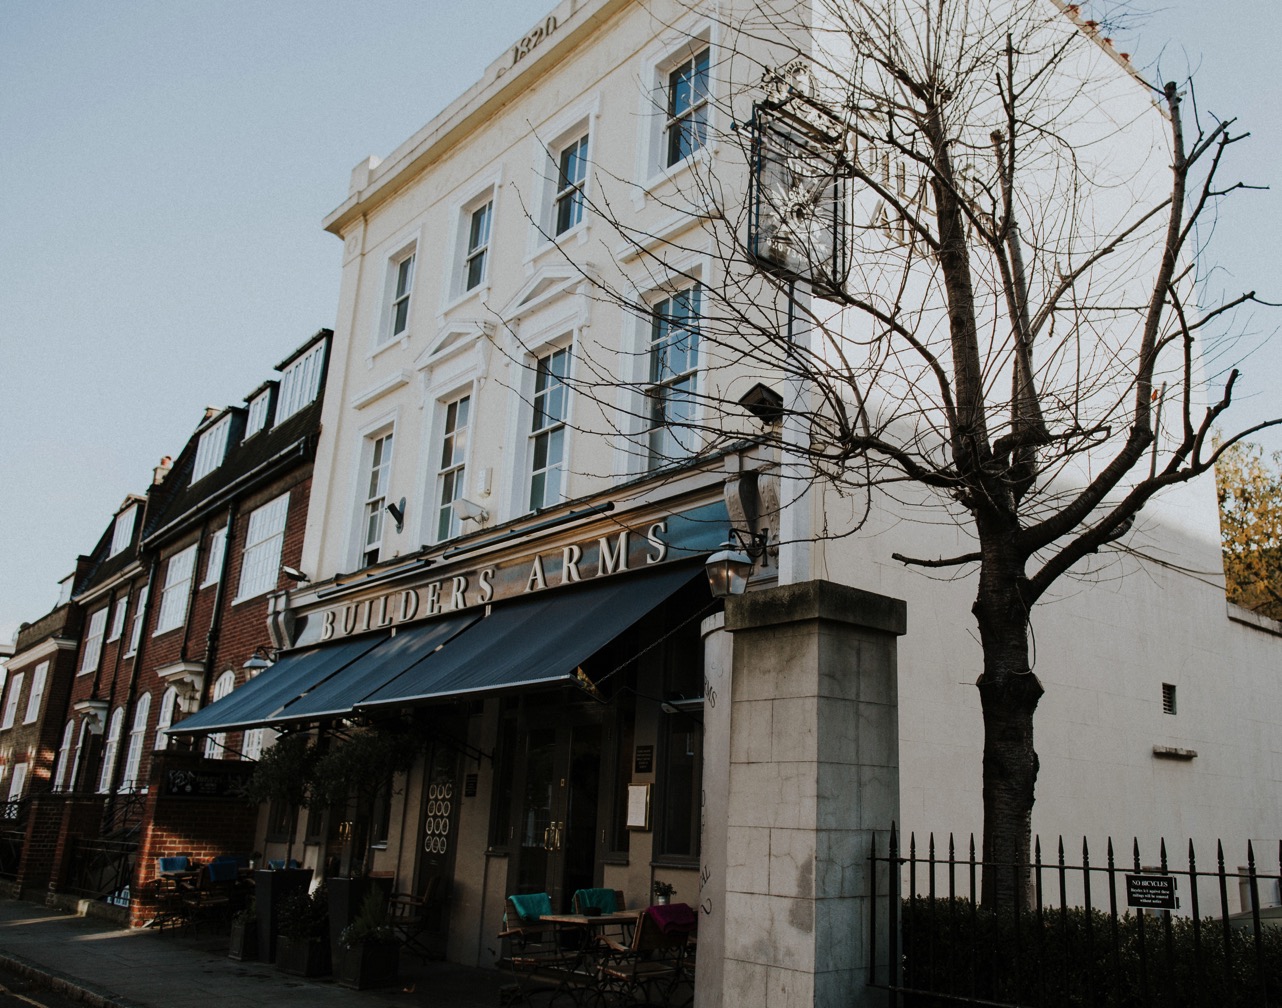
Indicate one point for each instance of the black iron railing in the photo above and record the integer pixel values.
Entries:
(13, 814)
(1080, 934)
(101, 868)
(123, 811)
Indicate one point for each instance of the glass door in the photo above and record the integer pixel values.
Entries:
(557, 806)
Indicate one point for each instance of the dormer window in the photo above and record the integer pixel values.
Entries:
(212, 448)
(122, 533)
(300, 382)
(259, 407)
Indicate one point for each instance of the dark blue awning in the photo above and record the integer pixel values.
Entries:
(537, 640)
(533, 641)
(338, 694)
(294, 675)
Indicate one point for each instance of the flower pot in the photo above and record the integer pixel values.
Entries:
(305, 957)
(243, 942)
(371, 964)
(662, 900)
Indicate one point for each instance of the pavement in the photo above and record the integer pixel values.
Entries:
(101, 965)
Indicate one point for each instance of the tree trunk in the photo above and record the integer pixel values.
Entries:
(1009, 693)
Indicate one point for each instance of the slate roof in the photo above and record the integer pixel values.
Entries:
(175, 502)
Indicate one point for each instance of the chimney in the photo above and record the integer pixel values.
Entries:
(161, 471)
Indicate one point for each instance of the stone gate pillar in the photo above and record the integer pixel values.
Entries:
(811, 777)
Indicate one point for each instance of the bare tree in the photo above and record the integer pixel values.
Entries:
(965, 235)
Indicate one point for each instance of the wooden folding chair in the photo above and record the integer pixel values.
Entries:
(536, 951)
(651, 967)
(416, 918)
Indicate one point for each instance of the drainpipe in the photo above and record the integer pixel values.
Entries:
(220, 591)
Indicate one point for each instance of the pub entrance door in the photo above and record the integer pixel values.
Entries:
(556, 803)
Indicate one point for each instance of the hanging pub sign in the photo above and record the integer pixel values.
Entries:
(800, 163)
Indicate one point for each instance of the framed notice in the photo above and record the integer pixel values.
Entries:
(639, 806)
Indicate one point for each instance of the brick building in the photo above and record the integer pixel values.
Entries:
(164, 614)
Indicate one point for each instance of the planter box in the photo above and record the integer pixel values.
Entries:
(305, 957)
(366, 966)
(346, 896)
(270, 890)
(243, 943)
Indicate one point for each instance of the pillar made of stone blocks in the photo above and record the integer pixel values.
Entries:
(812, 780)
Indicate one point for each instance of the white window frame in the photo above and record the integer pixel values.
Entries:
(258, 412)
(39, 679)
(64, 755)
(451, 449)
(377, 458)
(679, 46)
(663, 437)
(548, 431)
(251, 744)
(19, 779)
(140, 611)
(111, 750)
(179, 571)
(215, 742)
(122, 529)
(165, 716)
(82, 739)
(695, 111)
(214, 557)
(211, 449)
(264, 543)
(398, 297)
(476, 248)
(137, 737)
(117, 626)
(571, 163)
(11, 701)
(95, 631)
(300, 382)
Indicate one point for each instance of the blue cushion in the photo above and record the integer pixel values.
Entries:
(168, 864)
(222, 871)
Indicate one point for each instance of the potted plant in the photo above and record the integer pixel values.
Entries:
(302, 948)
(243, 942)
(352, 774)
(663, 892)
(282, 778)
(369, 952)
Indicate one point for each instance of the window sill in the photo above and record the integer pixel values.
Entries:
(549, 246)
(476, 293)
(675, 861)
(249, 598)
(672, 173)
(401, 341)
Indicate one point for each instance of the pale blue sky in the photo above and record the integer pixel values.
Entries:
(165, 165)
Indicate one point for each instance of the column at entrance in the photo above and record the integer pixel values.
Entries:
(813, 778)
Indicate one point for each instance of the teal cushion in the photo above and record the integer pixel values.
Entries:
(532, 906)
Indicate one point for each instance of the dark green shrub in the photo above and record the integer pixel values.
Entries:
(1072, 958)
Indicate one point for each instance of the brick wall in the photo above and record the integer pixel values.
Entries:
(202, 828)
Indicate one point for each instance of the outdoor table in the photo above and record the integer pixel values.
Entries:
(581, 972)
